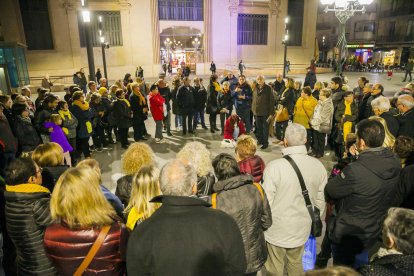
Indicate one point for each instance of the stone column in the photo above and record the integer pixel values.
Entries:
(234, 10)
(156, 32)
(207, 31)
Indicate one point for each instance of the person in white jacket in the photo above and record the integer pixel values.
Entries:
(291, 220)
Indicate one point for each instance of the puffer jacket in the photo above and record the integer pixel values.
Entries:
(123, 188)
(321, 120)
(27, 216)
(26, 134)
(71, 124)
(390, 265)
(238, 197)
(363, 193)
(254, 166)
(67, 248)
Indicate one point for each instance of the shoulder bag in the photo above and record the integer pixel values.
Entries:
(314, 212)
(92, 252)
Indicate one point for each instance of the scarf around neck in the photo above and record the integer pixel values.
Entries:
(82, 105)
(64, 113)
(142, 100)
(124, 100)
(27, 188)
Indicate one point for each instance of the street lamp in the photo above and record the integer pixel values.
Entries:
(196, 43)
(103, 45)
(284, 42)
(344, 10)
(168, 43)
(86, 16)
(323, 49)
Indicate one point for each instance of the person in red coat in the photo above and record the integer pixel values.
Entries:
(249, 162)
(233, 128)
(157, 103)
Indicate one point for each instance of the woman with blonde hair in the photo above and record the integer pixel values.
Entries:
(198, 155)
(112, 199)
(135, 157)
(389, 140)
(145, 186)
(82, 214)
(317, 89)
(249, 162)
(287, 100)
(49, 157)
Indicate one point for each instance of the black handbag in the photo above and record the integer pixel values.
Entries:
(314, 212)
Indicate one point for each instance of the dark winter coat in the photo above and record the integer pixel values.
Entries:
(200, 97)
(186, 237)
(41, 117)
(8, 142)
(246, 103)
(67, 249)
(233, 82)
(405, 193)
(390, 265)
(225, 100)
(337, 97)
(340, 111)
(287, 99)
(185, 99)
(166, 94)
(26, 134)
(238, 197)
(122, 114)
(212, 104)
(107, 103)
(123, 188)
(363, 193)
(407, 124)
(83, 116)
(254, 166)
(263, 101)
(175, 108)
(27, 216)
(310, 79)
(363, 106)
(392, 122)
(137, 109)
(50, 175)
(279, 87)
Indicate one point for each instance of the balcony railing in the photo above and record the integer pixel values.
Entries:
(395, 38)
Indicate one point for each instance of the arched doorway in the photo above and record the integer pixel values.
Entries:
(182, 46)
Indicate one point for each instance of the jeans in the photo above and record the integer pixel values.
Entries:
(187, 121)
(82, 145)
(167, 121)
(280, 130)
(178, 121)
(199, 114)
(213, 118)
(158, 129)
(244, 114)
(138, 126)
(318, 143)
(262, 130)
(123, 136)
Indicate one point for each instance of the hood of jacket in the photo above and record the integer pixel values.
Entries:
(380, 161)
(233, 182)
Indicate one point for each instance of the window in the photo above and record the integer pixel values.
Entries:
(111, 24)
(252, 29)
(409, 34)
(295, 27)
(185, 10)
(36, 24)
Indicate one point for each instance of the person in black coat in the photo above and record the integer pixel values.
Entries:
(200, 99)
(362, 194)
(212, 103)
(213, 68)
(166, 94)
(186, 236)
(25, 132)
(279, 84)
(42, 114)
(139, 108)
(310, 78)
(225, 104)
(185, 100)
(27, 216)
(405, 105)
(99, 110)
(381, 107)
(122, 117)
(397, 255)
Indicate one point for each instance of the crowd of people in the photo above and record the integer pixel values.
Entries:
(59, 218)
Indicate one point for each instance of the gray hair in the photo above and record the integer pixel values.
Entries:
(381, 103)
(295, 135)
(226, 83)
(406, 100)
(399, 226)
(177, 178)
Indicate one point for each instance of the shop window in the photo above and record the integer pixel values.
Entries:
(295, 13)
(36, 24)
(184, 10)
(252, 29)
(111, 25)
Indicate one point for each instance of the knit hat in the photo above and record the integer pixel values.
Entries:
(102, 90)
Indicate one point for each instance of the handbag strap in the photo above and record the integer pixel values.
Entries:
(92, 252)
(305, 192)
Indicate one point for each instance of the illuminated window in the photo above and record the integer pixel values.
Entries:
(185, 10)
(252, 29)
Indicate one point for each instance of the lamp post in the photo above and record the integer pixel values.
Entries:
(167, 44)
(344, 10)
(103, 45)
(284, 42)
(323, 49)
(86, 16)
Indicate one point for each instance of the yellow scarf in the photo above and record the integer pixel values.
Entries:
(82, 105)
(125, 100)
(217, 86)
(133, 218)
(64, 113)
(142, 100)
(347, 127)
(27, 188)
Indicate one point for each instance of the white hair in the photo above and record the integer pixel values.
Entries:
(406, 100)
(295, 135)
(381, 103)
(177, 178)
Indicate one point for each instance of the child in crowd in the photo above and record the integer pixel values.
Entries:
(58, 136)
